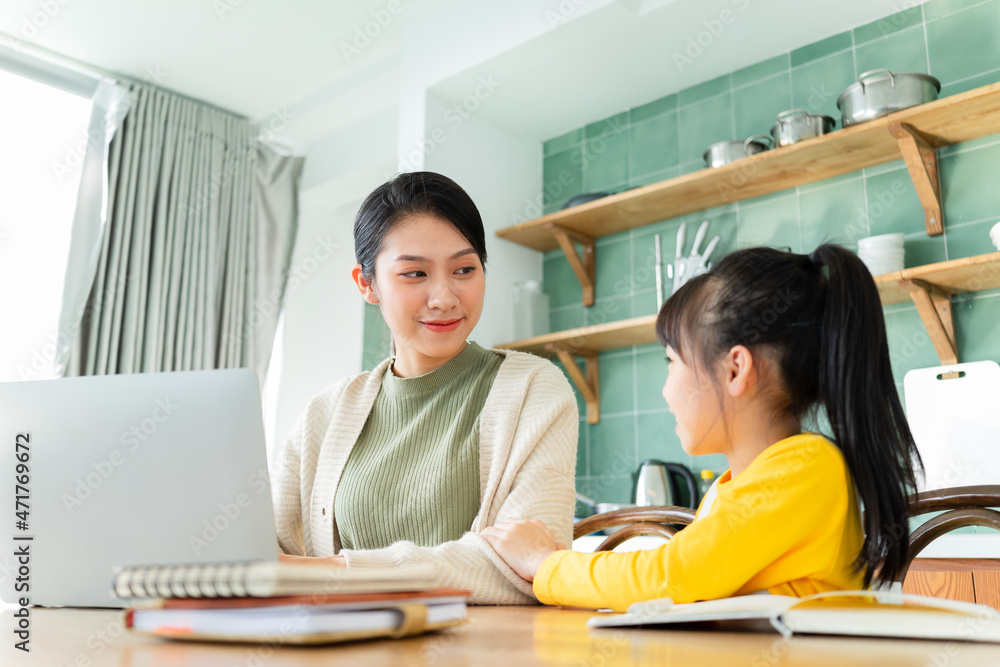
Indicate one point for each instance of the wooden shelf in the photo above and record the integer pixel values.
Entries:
(956, 276)
(930, 287)
(594, 338)
(962, 117)
(587, 342)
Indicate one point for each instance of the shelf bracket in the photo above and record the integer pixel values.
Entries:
(583, 268)
(934, 307)
(922, 162)
(589, 384)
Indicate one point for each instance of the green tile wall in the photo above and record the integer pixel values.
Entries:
(957, 41)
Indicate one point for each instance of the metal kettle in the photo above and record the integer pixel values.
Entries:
(656, 484)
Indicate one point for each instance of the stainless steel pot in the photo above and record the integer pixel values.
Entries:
(601, 508)
(725, 152)
(880, 92)
(798, 124)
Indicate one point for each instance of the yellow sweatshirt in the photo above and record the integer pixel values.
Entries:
(789, 524)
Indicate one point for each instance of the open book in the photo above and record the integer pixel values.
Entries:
(264, 579)
(305, 619)
(859, 613)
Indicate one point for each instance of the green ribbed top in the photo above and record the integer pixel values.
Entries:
(413, 474)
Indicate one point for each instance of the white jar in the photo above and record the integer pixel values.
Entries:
(530, 310)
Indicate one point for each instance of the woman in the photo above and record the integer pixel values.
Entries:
(411, 462)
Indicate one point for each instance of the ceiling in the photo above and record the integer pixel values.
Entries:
(247, 56)
(581, 60)
(629, 53)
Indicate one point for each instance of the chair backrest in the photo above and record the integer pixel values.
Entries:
(960, 506)
(637, 521)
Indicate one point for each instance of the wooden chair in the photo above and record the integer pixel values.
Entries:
(653, 520)
(961, 506)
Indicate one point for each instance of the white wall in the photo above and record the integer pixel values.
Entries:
(323, 310)
(501, 171)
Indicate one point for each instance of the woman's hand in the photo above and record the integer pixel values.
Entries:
(337, 561)
(523, 543)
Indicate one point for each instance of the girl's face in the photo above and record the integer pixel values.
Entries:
(429, 283)
(694, 403)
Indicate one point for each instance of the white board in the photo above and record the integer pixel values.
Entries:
(956, 423)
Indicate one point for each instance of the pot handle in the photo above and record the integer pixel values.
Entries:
(869, 73)
(791, 112)
(746, 144)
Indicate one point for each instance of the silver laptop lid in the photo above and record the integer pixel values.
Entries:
(152, 468)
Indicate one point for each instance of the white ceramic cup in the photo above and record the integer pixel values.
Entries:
(882, 242)
(883, 253)
(995, 235)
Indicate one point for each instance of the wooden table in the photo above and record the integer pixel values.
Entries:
(507, 636)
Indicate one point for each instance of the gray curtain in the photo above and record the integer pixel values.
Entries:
(199, 224)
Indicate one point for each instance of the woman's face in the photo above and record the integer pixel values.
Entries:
(429, 283)
(695, 405)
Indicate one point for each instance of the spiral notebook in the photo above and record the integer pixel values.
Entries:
(264, 579)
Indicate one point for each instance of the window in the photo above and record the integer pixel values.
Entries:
(43, 137)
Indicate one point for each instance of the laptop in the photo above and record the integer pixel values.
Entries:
(141, 469)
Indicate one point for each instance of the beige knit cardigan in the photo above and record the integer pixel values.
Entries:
(527, 461)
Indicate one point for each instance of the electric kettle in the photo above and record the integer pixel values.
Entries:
(656, 484)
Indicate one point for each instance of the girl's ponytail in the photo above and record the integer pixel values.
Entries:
(857, 389)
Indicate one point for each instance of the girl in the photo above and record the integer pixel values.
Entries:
(752, 346)
(410, 462)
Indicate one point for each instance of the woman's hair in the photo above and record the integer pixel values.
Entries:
(414, 193)
(819, 318)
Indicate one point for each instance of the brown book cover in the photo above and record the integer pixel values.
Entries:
(300, 619)
(315, 599)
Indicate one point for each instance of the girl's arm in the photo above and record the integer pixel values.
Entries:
(796, 503)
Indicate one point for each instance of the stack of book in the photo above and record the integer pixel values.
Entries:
(283, 603)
